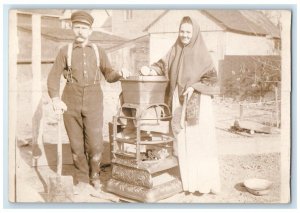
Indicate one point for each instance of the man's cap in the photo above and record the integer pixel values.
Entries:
(82, 17)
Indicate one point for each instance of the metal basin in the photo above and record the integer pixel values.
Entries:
(144, 89)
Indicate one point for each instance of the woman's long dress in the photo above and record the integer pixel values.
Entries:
(196, 148)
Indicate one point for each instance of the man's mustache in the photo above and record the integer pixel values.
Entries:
(79, 37)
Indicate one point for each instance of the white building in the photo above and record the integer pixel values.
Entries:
(226, 32)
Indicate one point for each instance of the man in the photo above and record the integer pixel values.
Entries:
(82, 99)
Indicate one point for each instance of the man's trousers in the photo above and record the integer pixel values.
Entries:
(84, 122)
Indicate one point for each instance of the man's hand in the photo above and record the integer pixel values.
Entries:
(189, 91)
(58, 106)
(125, 72)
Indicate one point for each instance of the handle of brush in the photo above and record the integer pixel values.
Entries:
(59, 146)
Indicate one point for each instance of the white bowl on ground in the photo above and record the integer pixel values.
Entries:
(258, 186)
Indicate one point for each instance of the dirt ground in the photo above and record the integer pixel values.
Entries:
(234, 170)
(240, 157)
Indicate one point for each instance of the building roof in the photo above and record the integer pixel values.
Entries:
(238, 21)
(247, 21)
(45, 12)
(67, 34)
(261, 20)
(156, 20)
(144, 38)
(107, 23)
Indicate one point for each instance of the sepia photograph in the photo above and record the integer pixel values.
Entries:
(149, 106)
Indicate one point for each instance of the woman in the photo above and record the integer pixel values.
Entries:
(192, 76)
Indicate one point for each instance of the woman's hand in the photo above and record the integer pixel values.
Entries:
(147, 71)
(189, 91)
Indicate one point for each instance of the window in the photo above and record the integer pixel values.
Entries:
(128, 15)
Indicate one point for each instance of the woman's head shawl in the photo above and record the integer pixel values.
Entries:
(192, 60)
